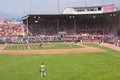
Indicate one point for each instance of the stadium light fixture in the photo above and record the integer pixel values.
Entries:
(110, 14)
(34, 17)
(114, 14)
(39, 17)
(36, 21)
(94, 16)
(71, 17)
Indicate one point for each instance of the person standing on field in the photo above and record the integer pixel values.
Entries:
(43, 70)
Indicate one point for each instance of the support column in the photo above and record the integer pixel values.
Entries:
(57, 25)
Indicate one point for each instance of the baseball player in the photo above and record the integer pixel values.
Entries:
(43, 70)
(40, 45)
(70, 46)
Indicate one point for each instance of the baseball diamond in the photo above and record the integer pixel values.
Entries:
(82, 43)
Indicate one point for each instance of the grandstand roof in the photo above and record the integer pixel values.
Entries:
(91, 6)
(34, 16)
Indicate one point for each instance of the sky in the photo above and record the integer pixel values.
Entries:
(23, 7)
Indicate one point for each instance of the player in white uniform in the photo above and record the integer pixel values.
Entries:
(70, 46)
(42, 70)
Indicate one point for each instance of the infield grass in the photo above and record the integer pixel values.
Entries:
(44, 46)
(83, 66)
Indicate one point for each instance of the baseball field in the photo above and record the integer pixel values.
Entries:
(86, 61)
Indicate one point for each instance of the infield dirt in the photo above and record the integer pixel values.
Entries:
(53, 51)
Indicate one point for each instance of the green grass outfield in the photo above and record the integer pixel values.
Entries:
(44, 46)
(86, 66)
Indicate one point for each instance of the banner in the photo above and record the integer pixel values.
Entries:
(110, 8)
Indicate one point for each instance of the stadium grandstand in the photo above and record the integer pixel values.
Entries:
(11, 30)
(79, 24)
(92, 23)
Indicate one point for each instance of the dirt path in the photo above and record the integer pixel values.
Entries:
(111, 46)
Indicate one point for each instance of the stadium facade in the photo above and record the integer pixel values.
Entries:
(94, 19)
(90, 9)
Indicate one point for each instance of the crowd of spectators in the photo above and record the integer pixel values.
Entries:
(81, 32)
(12, 30)
(43, 29)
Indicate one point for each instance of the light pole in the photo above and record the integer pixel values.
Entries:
(85, 3)
(58, 7)
(102, 3)
(30, 6)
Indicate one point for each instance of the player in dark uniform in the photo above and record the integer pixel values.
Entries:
(41, 41)
(40, 45)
